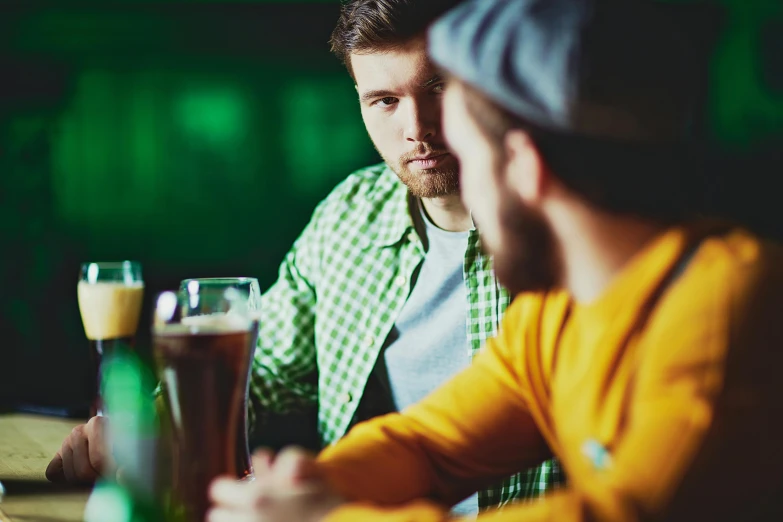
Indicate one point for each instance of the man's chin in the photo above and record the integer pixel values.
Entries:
(527, 261)
(430, 183)
(516, 286)
(431, 192)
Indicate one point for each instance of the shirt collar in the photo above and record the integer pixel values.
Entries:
(389, 220)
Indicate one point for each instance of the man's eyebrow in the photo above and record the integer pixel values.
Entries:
(435, 79)
(372, 95)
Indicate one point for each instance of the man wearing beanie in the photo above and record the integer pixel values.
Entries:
(643, 348)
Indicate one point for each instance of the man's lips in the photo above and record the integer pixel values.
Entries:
(430, 161)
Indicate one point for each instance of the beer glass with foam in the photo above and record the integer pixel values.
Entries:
(110, 296)
(250, 290)
(202, 340)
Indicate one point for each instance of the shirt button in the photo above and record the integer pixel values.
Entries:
(369, 341)
(346, 398)
(399, 281)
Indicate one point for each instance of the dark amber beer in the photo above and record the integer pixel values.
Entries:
(203, 366)
(248, 287)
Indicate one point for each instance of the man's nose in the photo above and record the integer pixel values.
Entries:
(421, 124)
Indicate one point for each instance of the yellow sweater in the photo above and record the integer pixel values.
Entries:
(663, 399)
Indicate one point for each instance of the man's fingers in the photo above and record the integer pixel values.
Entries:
(67, 453)
(95, 430)
(230, 493)
(295, 466)
(82, 467)
(54, 471)
(61, 467)
(230, 515)
(262, 461)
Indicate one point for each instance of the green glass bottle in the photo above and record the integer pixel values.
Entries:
(133, 493)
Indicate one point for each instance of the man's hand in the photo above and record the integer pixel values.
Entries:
(83, 456)
(289, 488)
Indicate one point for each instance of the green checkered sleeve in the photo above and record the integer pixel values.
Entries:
(530, 484)
(284, 372)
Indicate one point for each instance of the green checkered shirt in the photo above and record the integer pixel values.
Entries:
(337, 297)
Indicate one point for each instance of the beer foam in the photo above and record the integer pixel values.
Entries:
(110, 310)
(206, 324)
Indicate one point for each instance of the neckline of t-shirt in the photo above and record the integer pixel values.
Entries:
(434, 229)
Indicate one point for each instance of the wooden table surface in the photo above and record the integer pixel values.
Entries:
(27, 444)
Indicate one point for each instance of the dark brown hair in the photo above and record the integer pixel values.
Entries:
(654, 181)
(373, 25)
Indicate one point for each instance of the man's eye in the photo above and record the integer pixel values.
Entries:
(438, 89)
(386, 102)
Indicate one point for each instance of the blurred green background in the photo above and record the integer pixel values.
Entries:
(197, 137)
(194, 137)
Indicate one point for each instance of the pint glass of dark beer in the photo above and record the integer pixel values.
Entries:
(202, 341)
(250, 290)
(110, 296)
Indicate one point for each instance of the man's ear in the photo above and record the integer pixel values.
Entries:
(524, 169)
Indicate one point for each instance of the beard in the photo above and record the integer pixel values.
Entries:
(528, 259)
(427, 183)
